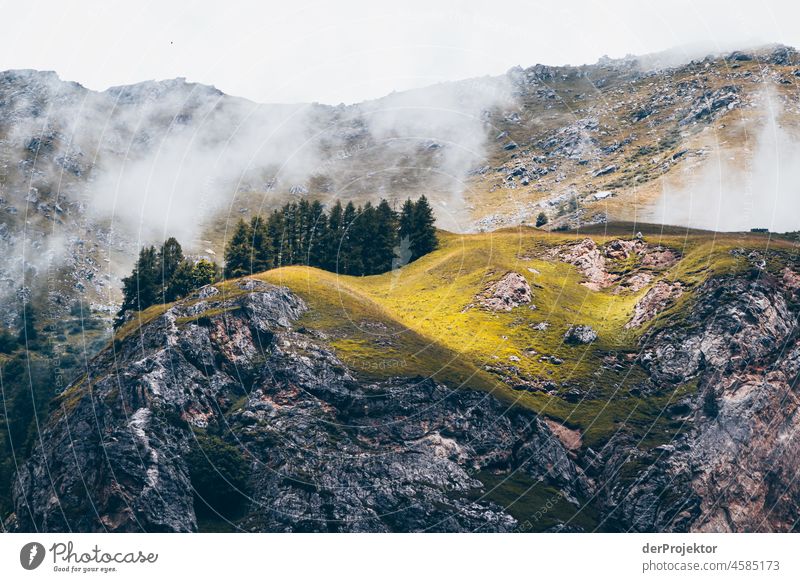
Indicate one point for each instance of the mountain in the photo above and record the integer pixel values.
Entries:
(621, 382)
(509, 381)
(86, 177)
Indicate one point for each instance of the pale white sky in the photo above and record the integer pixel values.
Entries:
(347, 51)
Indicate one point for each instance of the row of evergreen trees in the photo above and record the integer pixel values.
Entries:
(161, 276)
(349, 240)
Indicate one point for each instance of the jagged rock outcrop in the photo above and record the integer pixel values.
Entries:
(510, 291)
(736, 323)
(590, 261)
(634, 283)
(733, 464)
(658, 298)
(324, 452)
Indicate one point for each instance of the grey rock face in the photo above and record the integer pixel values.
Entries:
(736, 323)
(733, 466)
(658, 298)
(325, 453)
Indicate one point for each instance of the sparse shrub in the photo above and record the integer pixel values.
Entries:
(7, 342)
(572, 205)
(541, 220)
(28, 334)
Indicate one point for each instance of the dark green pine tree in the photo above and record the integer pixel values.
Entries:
(170, 257)
(423, 239)
(290, 234)
(318, 234)
(276, 231)
(188, 277)
(182, 281)
(349, 255)
(405, 230)
(141, 288)
(385, 241)
(333, 237)
(303, 231)
(238, 251)
(148, 277)
(261, 246)
(204, 273)
(365, 233)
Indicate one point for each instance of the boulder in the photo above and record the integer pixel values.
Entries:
(604, 171)
(511, 291)
(580, 334)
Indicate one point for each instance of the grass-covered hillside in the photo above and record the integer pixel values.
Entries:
(427, 319)
(556, 323)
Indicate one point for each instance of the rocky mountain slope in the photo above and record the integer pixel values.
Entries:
(558, 383)
(513, 380)
(86, 177)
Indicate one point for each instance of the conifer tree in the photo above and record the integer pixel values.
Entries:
(238, 251)
(204, 272)
(276, 233)
(303, 231)
(347, 248)
(406, 221)
(170, 257)
(290, 233)
(318, 235)
(333, 237)
(188, 277)
(261, 251)
(364, 235)
(385, 237)
(182, 281)
(423, 238)
(141, 288)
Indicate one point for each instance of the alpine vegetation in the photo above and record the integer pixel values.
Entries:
(363, 240)
(162, 276)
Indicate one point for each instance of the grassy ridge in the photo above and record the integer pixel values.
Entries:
(422, 320)
(418, 321)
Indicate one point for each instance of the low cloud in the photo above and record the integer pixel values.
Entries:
(754, 186)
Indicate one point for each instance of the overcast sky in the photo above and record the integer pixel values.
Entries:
(348, 51)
